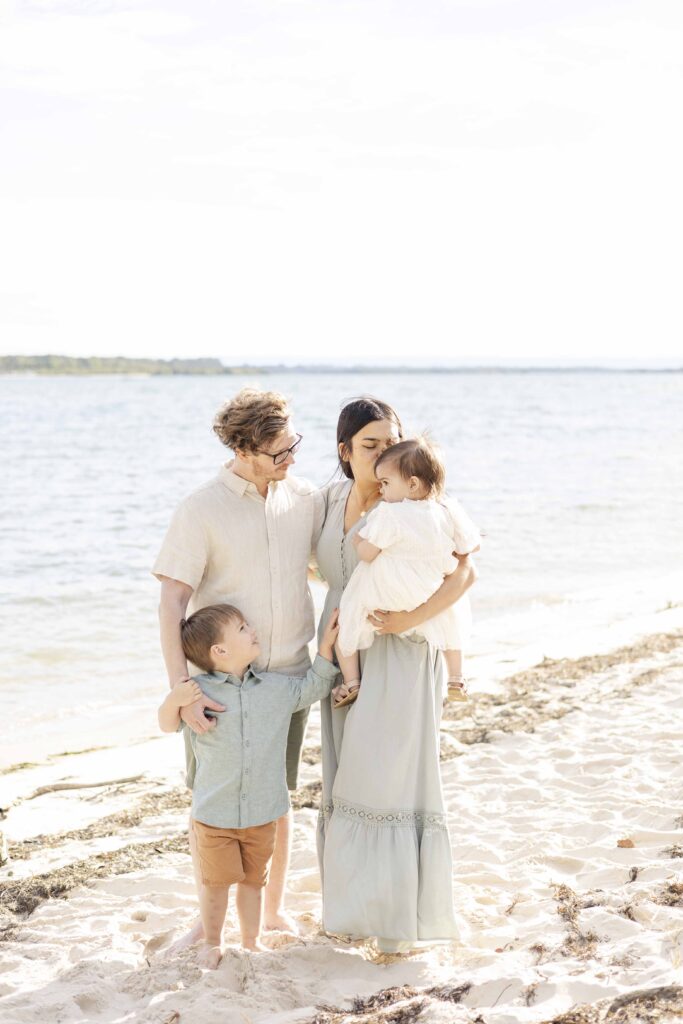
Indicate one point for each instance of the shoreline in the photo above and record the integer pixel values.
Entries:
(568, 884)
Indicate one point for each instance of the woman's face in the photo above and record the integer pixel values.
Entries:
(366, 447)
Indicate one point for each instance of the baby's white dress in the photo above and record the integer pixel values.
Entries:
(417, 539)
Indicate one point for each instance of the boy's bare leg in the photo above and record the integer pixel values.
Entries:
(250, 914)
(349, 665)
(196, 932)
(276, 920)
(456, 680)
(213, 905)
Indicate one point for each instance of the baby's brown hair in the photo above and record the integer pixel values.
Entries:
(417, 457)
(203, 629)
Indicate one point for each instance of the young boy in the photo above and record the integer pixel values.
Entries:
(240, 789)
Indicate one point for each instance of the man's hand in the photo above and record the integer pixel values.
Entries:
(193, 715)
(390, 622)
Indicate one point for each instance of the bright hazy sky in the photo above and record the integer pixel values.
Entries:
(320, 180)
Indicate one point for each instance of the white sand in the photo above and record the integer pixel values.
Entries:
(530, 811)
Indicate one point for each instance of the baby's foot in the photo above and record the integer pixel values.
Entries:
(209, 956)
(346, 693)
(254, 945)
(457, 689)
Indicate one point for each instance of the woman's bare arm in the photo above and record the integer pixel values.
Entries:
(450, 591)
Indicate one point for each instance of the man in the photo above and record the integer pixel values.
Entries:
(245, 539)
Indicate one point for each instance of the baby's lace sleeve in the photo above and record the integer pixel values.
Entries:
(466, 536)
(380, 527)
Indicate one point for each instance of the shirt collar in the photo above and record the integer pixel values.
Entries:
(228, 677)
(238, 484)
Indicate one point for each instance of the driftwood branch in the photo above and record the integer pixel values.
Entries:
(57, 786)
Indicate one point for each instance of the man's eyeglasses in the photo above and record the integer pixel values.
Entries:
(280, 457)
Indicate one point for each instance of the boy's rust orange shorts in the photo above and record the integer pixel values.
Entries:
(228, 855)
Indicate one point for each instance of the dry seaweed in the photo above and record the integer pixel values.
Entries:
(578, 943)
(23, 896)
(671, 895)
(307, 796)
(397, 1005)
(648, 1006)
(532, 697)
(152, 804)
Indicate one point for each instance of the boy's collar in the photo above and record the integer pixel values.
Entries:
(223, 677)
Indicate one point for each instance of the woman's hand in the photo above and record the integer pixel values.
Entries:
(391, 622)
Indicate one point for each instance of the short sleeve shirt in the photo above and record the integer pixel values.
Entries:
(233, 546)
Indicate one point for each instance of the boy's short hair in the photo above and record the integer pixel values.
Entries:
(203, 629)
(251, 420)
(417, 457)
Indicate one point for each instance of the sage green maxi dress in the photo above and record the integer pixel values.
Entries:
(383, 843)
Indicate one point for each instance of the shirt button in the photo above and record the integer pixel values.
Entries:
(246, 743)
(246, 714)
(244, 796)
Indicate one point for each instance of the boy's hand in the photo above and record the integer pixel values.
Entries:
(185, 692)
(330, 635)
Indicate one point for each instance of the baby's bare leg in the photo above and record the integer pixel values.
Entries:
(350, 670)
(250, 913)
(213, 905)
(456, 680)
(453, 662)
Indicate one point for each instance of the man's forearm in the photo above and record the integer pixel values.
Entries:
(450, 591)
(171, 611)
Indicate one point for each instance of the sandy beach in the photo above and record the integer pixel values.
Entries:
(566, 817)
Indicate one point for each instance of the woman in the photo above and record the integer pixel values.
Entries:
(383, 844)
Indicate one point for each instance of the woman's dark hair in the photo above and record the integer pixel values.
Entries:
(355, 415)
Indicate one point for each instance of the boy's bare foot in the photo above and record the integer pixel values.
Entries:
(191, 938)
(280, 922)
(209, 956)
(254, 946)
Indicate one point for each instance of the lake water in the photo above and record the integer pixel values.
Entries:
(575, 478)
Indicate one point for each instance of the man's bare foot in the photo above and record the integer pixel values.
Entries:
(209, 956)
(254, 946)
(191, 938)
(279, 921)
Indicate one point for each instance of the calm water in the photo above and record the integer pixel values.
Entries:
(574, 477)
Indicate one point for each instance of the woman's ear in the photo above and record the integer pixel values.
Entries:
(344, 453)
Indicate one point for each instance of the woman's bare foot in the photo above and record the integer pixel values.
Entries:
(280, 922)
(254, 945)
(209, 956)
(191, 938)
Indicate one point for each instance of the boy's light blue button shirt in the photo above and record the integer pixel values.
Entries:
(240, 780)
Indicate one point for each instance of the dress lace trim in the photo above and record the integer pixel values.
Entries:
(384, 818)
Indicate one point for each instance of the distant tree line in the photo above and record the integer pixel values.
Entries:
(115, 364)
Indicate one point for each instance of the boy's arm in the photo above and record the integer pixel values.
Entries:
(183, 694)
(316, 684)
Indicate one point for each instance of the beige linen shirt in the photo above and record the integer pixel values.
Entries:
(233, 546)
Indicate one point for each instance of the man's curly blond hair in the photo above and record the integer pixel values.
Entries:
(251, 420)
